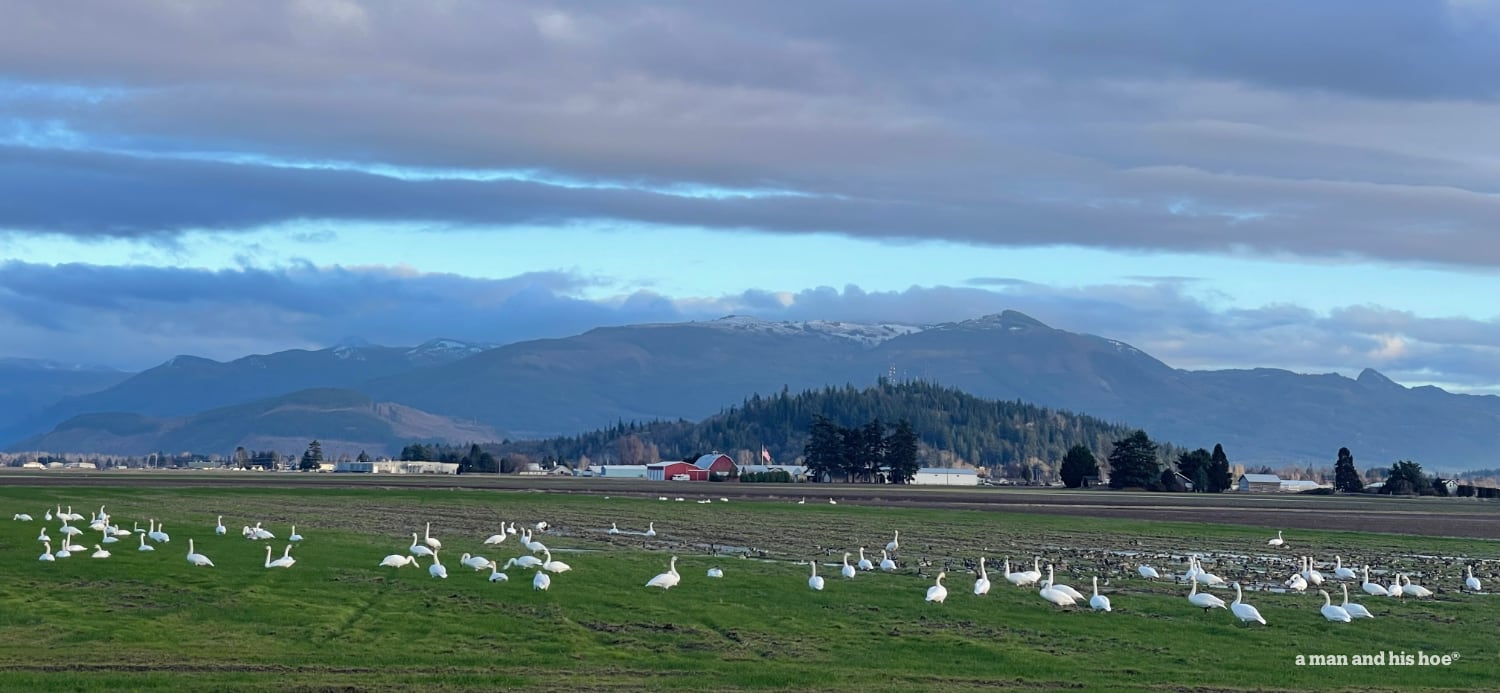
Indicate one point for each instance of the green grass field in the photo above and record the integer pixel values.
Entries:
(148, 621)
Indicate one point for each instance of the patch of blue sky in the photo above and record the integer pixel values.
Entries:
(15, 90)
(57, 134)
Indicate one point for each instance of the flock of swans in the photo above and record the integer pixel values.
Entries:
(111, 533)
(538, 557)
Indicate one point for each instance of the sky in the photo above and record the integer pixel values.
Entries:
(1235, 184)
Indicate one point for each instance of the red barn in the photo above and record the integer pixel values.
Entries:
(676, 471)
(715, 463)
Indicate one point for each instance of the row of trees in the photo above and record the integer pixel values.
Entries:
(860, 453)
(1134, 462)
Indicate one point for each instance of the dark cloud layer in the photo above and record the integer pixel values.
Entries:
(1317, 129)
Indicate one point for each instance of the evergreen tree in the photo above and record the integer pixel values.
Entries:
(1077, 464)
(1219, 477)
(1345, 476)
(1132, 462)
(1171, 482)
(901, 453)
(824, 451)
(1195, 465)
(312, 458)
(363, 457)
(1407, 477)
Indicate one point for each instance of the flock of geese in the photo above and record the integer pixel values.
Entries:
(539, 557)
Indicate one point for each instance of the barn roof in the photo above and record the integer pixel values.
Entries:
(706, 461)
(1262, 478)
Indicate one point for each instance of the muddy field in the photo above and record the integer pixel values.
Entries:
(1457, 517)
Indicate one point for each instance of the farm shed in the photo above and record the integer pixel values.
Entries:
(946, 476)
(674, 471)
(1259, 483)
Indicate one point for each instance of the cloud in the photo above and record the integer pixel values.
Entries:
(135, 317)
(1323, 130)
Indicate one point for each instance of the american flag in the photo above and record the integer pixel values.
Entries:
(764, 455)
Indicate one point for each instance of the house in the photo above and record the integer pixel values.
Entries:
(715, 463)
(946, 476)
(1259, 483)
(676, 471)
(620, 471)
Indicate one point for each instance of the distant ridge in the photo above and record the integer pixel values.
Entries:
(692, 370)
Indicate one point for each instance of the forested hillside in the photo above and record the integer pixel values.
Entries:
(952, 426)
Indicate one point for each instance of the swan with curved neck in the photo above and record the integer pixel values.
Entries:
(1332, 611)
(816, 581)
(938, 593)
(1098, 602)
(982, 583)
(1244, 612)
(1354, 610)
(666, 580)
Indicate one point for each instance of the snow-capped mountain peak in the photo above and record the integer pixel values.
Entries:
(861, 333)
(444, 350)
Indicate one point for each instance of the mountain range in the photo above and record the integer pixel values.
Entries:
(692, 370)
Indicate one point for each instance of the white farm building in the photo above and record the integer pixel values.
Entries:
(396, 467)
(619, 471)
(946, 476)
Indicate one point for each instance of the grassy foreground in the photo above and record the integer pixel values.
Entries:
(150, 621)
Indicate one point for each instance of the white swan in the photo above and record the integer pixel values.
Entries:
(437, 569)
(552, 566)
(496, 539)
(1278, 541)
(832, 502)
(524, 562)
(666, 580)
(196, 558)
(1206, 577)
(1035, 574)
(397, 560)
(1313, 576)
(42, 535)
(1147, 572)
(1332, 611)
(278, 563)
(1098, 602)
(61, 552)
(1373, 588)
(161, 536)
(938, 593)
(1395, 589)
(478, 563)
(982, 583)
(816, 581)
(430, 540)
(416, 548)
(47, 555)
(1414, 590)
(532, 545)
(1354, 610)
(894, 543)
(144, 545)
(496, 575)
(1055, 596)
(541, 581)
(1296, 583)
(1471, 582)
(294, 536)
(23, 517)
(1204, 600)
(651, 529)
(886, 563)
(614, 528)
(715, 572)
(1339, 571)
(99, 552)
(1244, 612)
(800, 501)
(68, 530)
(219, 529)
(864, 563)
(847, 570)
